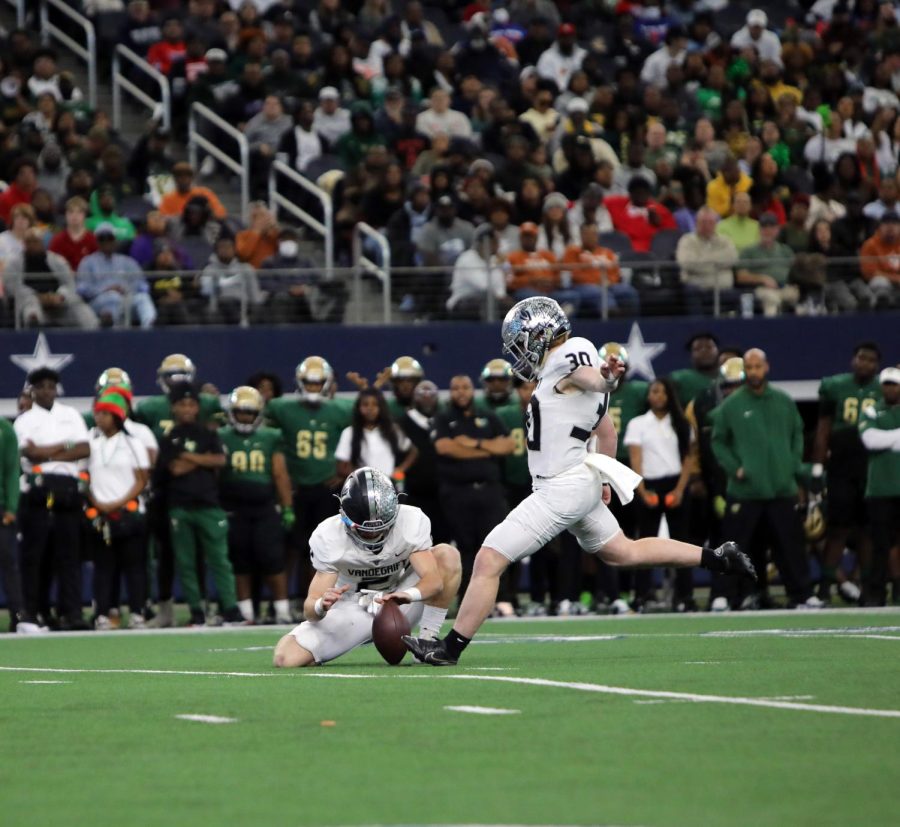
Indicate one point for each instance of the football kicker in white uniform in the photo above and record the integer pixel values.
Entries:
(569, 480)
(375, 550)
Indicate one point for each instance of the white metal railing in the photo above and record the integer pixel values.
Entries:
(324, 228)
(121, 81)
(241, 168)
(362, 262)
(88, 52)
(19, 6)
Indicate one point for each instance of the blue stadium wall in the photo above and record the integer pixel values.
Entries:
(800, 349)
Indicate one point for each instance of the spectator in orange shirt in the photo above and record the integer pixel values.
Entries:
(172, 204)
(880, 261)
(533, 272)
(592, 266)
(260, 241)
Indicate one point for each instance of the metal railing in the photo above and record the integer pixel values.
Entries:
(196, 140)
(324, 228)
(362, 263)
(121, 81)
(88, 52)
(19, 6)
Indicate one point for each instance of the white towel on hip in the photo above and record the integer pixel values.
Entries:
(620, 477)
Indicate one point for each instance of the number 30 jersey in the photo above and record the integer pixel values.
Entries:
(558, 425)
(332, 550)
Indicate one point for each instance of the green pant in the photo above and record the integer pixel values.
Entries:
(209, 527)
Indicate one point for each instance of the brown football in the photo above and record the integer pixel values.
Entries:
(387, 628)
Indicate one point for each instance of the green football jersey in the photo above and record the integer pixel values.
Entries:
(483, 404)
(398, 410)
(156, 413)
(843, 399)
(688, 383)
(249, 456)
(629, 401)
(883, 473)
(515, 465)
(311, 435)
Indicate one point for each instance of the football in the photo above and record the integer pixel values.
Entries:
(387, 628)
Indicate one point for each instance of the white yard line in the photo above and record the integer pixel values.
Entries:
(207, 719)
(45, 682)
(686, 696)
(483, 710)
(577, 686)
(60, 670)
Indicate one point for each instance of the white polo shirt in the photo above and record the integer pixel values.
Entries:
(42, 427)
(658, 442)
(374, 451)
(113, 462)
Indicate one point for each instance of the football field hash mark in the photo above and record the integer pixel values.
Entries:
(483, 710)
(206, 719)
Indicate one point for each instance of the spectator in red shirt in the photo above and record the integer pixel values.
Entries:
(75, 241)
(638, 215)
(21, 189)
(172, 47)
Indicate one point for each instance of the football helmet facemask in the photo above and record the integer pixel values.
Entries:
(175, 368)
(529, 329)
(314, 370)
(369, 508)
(249, 400)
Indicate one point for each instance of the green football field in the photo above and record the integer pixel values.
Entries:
(782, 718)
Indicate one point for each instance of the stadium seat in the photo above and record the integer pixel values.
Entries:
(618, 242)
(662, 248)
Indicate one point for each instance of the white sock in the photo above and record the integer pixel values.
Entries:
(246, 607)
(282, 609)
(432, 620)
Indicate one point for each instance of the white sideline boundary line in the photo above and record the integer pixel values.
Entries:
(483, 710)
(577, 686)
(688, 617)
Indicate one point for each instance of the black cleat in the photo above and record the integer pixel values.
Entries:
(734, 561)
(432, 652)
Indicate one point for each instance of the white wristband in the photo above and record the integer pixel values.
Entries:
(414, 594)
(319, 609)
(818, 469)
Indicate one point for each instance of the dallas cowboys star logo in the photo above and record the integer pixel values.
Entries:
(42, 357)
(641, 354)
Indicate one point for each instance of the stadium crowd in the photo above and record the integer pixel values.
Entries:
(178, 484)
(505, 150)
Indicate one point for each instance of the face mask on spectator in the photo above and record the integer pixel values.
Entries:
(288, 249)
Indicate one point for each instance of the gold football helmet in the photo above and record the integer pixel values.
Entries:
(113, 377)
(497, 369)
(814, 521)
(176, 367)
(614, 349)
(245, 399)
(732, 371)
(314, 370)
(407, 368)
(496, 379)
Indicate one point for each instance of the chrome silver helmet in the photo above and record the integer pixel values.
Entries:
(369, 508)
(528, 330)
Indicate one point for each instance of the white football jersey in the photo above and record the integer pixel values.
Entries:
(332, 550)
(558, 425)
